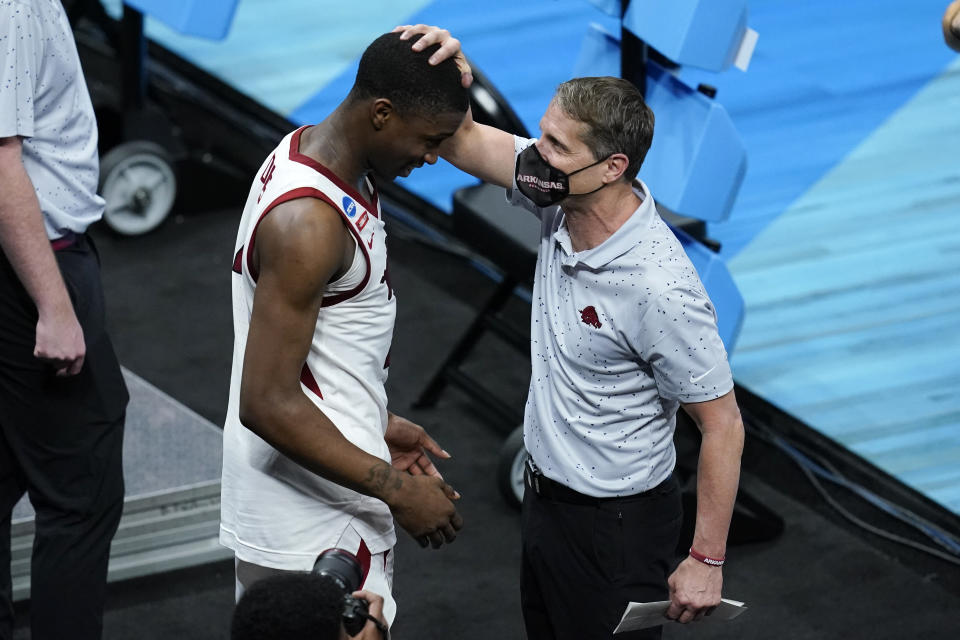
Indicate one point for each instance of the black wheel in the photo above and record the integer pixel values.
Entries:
(513, 459)
(138, 182)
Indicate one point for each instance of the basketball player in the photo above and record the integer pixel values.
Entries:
(308, 440)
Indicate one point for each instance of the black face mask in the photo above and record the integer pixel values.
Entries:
(543, 183)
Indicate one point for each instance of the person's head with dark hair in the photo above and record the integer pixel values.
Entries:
(408, 106)
(294, 606)
(391, 69)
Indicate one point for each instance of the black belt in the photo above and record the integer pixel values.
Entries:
(549, 489)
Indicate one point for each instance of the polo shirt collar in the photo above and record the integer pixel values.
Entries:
(623, 239)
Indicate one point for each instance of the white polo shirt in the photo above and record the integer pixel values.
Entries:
(621, 334)
(44, 99)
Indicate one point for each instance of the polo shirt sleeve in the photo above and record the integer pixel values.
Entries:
(678, 338)
(21, 52)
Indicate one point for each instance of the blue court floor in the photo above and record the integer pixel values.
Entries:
(845, 239)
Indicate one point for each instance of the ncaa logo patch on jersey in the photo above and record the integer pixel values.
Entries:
(349, 207)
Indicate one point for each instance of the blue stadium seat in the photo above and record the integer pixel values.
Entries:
(720, 287)
(209, 19)
(700, 33)
(697, 161)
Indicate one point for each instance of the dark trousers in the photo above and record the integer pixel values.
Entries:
(583, 563)
(60, 442)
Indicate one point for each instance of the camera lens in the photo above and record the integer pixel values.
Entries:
(342, 567)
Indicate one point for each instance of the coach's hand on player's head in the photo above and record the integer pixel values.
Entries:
(423, 506)
(449, 47)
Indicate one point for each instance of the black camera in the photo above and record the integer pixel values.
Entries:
(344, 569)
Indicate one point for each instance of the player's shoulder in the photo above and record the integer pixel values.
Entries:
(302, 242)
(303, 222)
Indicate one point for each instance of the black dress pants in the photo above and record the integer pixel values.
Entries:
(61, 440)
(582, 563)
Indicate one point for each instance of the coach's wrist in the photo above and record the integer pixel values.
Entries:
(713, 561)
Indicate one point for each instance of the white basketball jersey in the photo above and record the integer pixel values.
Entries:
(273, 511)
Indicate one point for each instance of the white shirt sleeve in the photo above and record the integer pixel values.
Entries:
(678, 338)
(21, 53)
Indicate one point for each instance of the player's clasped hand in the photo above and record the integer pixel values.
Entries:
(423, 506)
(409, 447)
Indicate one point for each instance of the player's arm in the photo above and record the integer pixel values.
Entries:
(482, 151)
(301, 246)
(696, 586)
(24, 241)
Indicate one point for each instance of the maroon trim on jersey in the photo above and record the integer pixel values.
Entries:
(310, 192)
(293, 194)
(238, 261)
(306, 377)
(346, 295)
(376, 196)
(296, 156)
(363, 556)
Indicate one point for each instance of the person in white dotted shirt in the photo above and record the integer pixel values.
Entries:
(623, 335)
(62, 395)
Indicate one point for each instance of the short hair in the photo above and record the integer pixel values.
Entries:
(289, 606)
(616, 119)
(391, 69)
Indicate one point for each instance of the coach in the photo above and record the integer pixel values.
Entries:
(623, 334)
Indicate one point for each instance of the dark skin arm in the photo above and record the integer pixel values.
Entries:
(301, 246)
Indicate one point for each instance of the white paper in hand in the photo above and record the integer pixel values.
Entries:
(641, 615)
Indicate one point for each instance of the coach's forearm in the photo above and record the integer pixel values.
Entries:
(718, 477)
(482, 151)
(23, 237)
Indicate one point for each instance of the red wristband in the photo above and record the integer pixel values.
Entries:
(713, 562)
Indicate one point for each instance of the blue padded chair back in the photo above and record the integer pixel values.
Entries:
(697, 161)
(699, 33)
(209, 19)
(720, 287)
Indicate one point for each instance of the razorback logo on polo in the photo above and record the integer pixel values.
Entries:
(589, 316)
